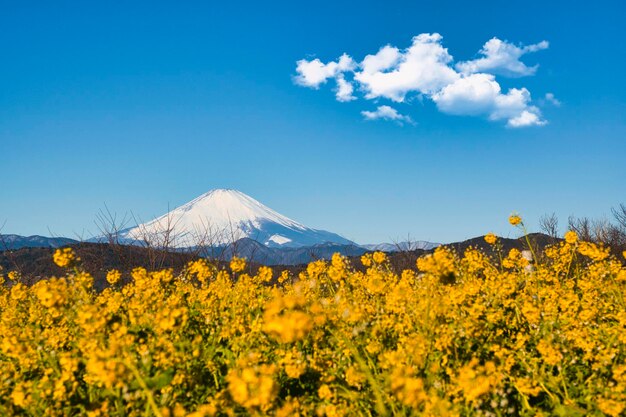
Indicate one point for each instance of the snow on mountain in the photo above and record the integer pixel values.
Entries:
(220, 217)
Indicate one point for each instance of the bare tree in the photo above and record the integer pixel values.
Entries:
(407, 253)
(158, 237)
(110, 228)
(549, 224)
(611, 234)
(582, 226)
(620, 216)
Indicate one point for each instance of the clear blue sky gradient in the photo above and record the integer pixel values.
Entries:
(146, 105)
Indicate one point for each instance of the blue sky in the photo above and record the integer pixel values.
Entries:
(146, 105)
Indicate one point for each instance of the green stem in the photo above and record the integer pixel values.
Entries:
(144, 386)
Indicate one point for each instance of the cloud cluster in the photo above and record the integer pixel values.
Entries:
(426, 69)
(392, 74)
(502, 58)
(552, 100)
(479, 94)
(386, 113)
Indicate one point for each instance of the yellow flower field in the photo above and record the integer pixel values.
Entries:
(456, 336)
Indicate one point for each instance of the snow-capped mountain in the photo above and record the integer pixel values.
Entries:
(221, 217)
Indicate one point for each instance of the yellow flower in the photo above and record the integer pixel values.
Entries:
(611, 407)
(515, 219)
(571, 237)
(550, 355)
(475, 381)
(379, 257)
(491, 238)
(289, 327)
(65, 257)
(253, 387)
(324, 392)
(113, 276)
(265, 274)
(13, 276)
(593, 251)
(354, 377)
(440, 262)
(205, 410)
(237, 264)
(527, 386)
(19, 398)
(19, 292)
(48, 292)
(201, 269)
(284, 277)
(331, 339)
(410, 391)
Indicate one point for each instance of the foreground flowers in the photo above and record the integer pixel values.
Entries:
(456, 336)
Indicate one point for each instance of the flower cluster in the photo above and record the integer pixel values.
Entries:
(459, 335)
(65, 257)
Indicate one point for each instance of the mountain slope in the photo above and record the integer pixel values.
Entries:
(257, 252)
(401, 246)
(12, 242)
(221, 217)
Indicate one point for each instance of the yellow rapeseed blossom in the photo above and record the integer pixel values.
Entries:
(490, 238)
(201, 269)
(253, 387)
(515, 219)
(265, 274)
(379, 257)
(19, 398)
(65, 257)
(324, 392)
(13, 276)
(549, 354)
(571, 237)
(237, 264)
(611, 407)
(458, 334)
(593, 251)
(288, 327)
(441, 263)
(113, 276)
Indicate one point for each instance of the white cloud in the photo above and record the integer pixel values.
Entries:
(344, 89)
(480, 94)
(426, 70)
(422, 68)
(526, 118)
(387, 57)
(552, 100)
(473, 95)
(314, 73)
(502, 58)
(386, 113)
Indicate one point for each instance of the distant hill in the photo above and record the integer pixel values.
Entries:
(257, 252)
(538, 240)
(401, 246)
(10, 242)
(97, 258)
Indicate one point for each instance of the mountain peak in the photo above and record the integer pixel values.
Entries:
(223, 216)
